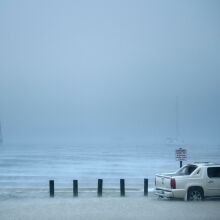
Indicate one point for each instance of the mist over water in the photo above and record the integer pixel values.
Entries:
(109, 71)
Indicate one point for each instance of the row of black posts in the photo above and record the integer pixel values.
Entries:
(99, 189)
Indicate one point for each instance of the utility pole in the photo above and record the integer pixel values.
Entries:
(177, 120)
(1, 137)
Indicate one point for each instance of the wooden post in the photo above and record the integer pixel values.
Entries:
(75, 188)
(122, 187)
(146, 187)
(100, 185)
(181, 163)
(51, 187)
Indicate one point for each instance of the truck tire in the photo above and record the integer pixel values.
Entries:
(195, 194)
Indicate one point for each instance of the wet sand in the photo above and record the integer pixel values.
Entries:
(107, 208)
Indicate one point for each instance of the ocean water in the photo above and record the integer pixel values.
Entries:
(27, 168)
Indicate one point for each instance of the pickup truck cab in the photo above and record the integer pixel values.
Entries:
(191, 182)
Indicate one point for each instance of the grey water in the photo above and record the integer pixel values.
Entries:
(29, 167)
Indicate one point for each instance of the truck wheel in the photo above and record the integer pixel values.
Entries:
(195, 194)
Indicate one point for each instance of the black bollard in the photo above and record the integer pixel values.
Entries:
(51, 187)
(122, 187)
(100, 184)
(75, 188)
(146, 187)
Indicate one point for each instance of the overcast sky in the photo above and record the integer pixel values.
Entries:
(110, 70)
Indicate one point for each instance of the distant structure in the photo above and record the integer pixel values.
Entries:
(1, 137)
(177, 120)
(176, 140)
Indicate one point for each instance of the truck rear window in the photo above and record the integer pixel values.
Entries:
(187, 170)
(213, 172)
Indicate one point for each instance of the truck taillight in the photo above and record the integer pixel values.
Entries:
(173, 183)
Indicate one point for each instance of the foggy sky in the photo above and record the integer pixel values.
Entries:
(109, 70)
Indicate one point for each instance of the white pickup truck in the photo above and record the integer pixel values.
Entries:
(191, 182)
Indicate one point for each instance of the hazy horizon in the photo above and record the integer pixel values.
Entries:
(110, 71)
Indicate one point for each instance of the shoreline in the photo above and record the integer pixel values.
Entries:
(65, 193)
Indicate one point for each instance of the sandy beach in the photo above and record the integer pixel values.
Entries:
(107, 208)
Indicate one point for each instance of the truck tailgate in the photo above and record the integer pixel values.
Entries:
(163, 182)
